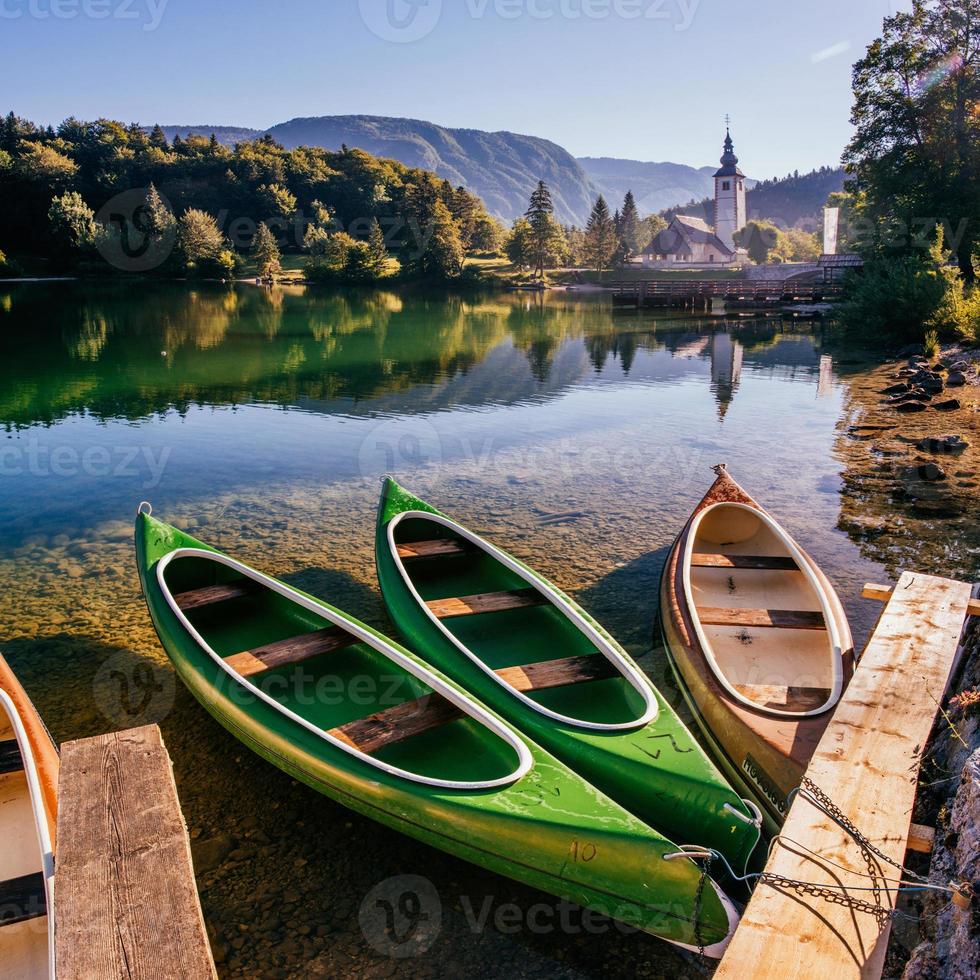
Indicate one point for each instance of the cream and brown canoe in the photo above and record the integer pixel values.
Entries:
(758, 641)
(28, 815)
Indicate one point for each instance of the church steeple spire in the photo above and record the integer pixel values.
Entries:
(730, 214)
(729, 162)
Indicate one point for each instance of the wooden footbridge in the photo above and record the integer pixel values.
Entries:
(824, 905)
(701, 294)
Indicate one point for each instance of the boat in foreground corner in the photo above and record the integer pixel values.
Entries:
(534, 656)
(362, 720)
(28, 817)
(758, 641)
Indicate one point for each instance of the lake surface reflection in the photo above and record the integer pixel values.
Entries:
(262, 421)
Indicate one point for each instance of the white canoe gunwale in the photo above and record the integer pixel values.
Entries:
(828, 608)
(46, 849)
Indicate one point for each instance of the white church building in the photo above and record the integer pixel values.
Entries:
(691, 242)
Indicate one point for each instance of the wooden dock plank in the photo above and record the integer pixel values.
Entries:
(127, 905)
(866, 762)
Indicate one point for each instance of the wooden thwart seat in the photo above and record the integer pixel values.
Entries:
(472, 605)
(410, 718)
(558, 673)
(294, 650)
(792, 619)
(763, 562)
(785, 696)
(212, 594)
(439, 548)
(395, 724)
(22, 899)
(10, 757)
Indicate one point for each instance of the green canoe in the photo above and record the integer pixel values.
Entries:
(530, 653)
(337, 705)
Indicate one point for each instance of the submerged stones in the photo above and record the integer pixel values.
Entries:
(909, 408)
(948, 445)
(951, 405)
(930, 472)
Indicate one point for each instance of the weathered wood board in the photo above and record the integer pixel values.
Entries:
(867, 763)
(126, 903)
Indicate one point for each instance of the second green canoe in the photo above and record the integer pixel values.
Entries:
(528, 651)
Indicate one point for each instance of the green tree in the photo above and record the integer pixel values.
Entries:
(265, 251)
(277, 200)
(758, 238)
(158, 220)
(544, 228)
(73, 222)
(629, 224)
(796, 245)
(41, 162)
(158, 138)
(914, 158)
(435, 250)
(488, 235)
(377, 256)
(200, 238)
(520, 243)
(600, 237)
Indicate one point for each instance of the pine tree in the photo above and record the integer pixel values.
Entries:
(629, 222)
(158, 219)
(377, 251)
(213, 148)
(158, 138)
(600, 237)
(266, 252)
(539, 216)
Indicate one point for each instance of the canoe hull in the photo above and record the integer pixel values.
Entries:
(656, 771)
(765, 755)
(28, 823)
(529, 831)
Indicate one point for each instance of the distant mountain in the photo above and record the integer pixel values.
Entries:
(502, 168)
(786, 201)
(229, 135)
(655, 186)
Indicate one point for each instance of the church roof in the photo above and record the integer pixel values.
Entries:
(695, 224)
(729, 162)
(683, 232)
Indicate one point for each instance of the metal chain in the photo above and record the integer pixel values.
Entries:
(833, 811)
(829, 895)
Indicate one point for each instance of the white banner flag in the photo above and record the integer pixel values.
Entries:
(831, 217)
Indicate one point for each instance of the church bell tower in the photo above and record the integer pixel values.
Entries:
(729, 195)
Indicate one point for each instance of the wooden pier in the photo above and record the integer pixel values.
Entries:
(700, 294)
(126, 904)
(867, 764)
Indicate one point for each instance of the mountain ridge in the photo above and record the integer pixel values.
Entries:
(502, 167)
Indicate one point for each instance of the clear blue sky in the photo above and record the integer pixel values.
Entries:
(588, 74)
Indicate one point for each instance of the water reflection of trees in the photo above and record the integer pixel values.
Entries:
(124, 353)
